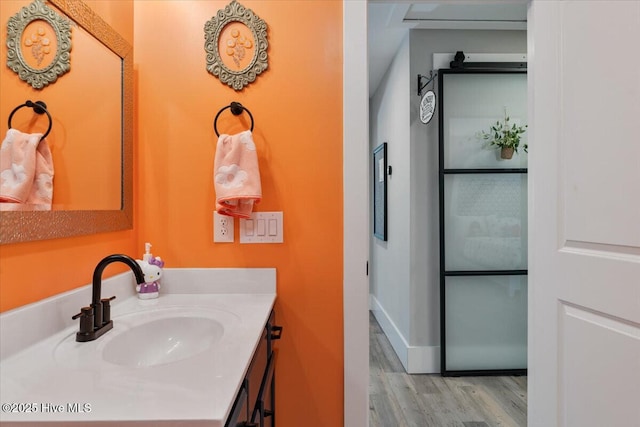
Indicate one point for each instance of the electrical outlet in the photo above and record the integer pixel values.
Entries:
(222, 228)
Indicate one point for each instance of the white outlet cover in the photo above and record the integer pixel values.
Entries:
(223, 227)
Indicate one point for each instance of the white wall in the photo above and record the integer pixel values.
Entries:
(390, 260)
(405, 270)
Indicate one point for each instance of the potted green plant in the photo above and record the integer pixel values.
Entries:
(506, 136)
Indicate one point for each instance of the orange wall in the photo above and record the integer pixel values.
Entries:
(297, 106)
(32, 271)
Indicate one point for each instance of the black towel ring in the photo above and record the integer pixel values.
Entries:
(39, 107)
(236, 110)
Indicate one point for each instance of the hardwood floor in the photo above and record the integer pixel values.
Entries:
(397, 399)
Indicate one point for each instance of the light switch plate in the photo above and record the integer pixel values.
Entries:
(263, 227)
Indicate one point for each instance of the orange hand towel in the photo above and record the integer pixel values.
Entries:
(26, 170)
(236, 175)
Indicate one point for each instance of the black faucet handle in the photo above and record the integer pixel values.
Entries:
(84, 311)
(86, 319)
(106, 309)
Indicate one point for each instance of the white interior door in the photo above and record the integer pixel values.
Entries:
(584, 267)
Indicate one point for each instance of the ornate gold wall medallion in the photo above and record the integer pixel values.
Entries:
(236, 45)
(39, 42)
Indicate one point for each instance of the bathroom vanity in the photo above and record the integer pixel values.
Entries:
(255, 402)
(202, 353)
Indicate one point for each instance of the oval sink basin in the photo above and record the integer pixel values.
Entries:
(162, 341)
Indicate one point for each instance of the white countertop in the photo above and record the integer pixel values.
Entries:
(83, 388)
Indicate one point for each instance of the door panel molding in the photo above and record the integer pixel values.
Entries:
(597, 118)
(595, 351)
(623, 253)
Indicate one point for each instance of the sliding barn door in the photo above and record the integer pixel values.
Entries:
(483, 224)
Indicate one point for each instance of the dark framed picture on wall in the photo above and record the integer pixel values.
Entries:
(380, 191)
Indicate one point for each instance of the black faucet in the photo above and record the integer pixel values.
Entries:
(95, 320)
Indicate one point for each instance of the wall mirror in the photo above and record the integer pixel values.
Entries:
(93, 117)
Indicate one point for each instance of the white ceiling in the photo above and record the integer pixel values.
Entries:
(390, 21)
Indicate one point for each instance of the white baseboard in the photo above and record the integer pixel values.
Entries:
(414, 359)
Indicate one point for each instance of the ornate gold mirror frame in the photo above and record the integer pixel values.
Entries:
(24, 226)
(46, 36)
(236, 45)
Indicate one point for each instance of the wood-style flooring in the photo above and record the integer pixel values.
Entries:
(397, 399)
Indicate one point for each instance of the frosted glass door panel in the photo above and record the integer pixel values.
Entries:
(485, 220)
(486, 320)
(474, 102)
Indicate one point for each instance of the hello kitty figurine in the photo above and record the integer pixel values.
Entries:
(152, 270)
